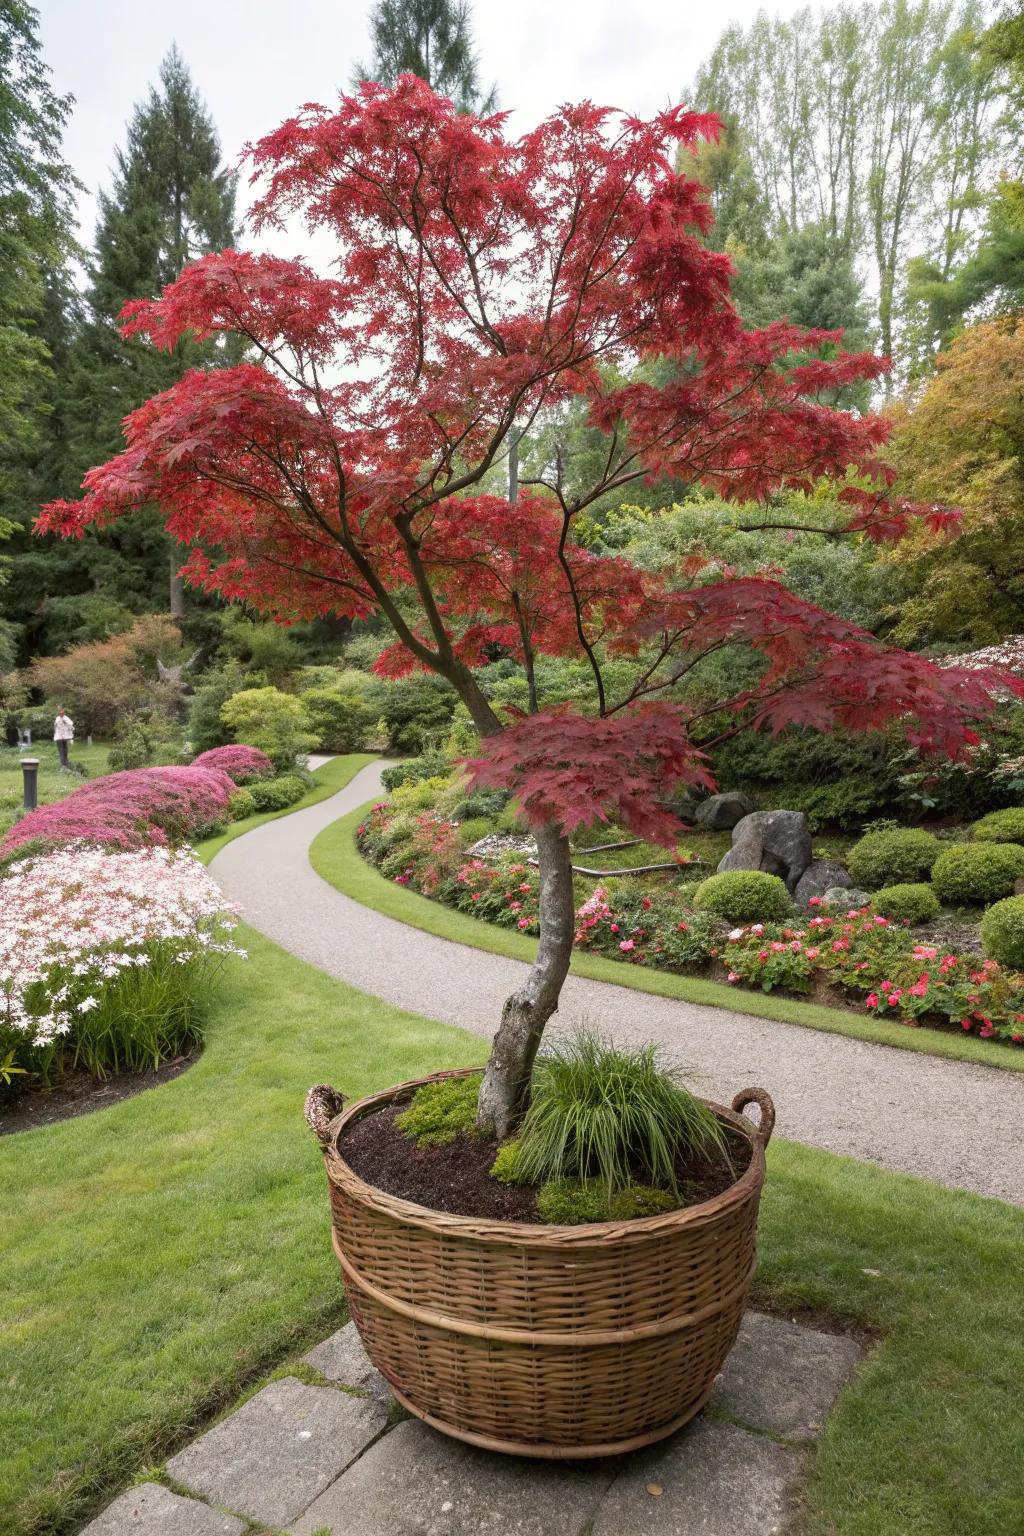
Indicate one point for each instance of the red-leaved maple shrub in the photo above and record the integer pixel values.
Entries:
(481, 283)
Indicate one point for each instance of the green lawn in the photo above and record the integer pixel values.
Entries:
(336, 858)
(163, 1255)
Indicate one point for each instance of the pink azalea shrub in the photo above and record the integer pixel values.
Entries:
(240, 763)
(867, 958)
(106, 958)
(129, 810)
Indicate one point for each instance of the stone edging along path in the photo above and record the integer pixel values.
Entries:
(951, 1121)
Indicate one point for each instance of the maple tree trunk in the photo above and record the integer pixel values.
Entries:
(505, 1091)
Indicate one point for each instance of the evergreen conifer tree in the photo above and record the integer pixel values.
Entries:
(432, 39)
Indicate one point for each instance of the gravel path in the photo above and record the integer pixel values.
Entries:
(946, 1120)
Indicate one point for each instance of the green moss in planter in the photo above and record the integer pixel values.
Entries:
(439, 1113)
(505, 1167)
(570, 1202)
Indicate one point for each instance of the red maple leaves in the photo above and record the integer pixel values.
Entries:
(481, 282)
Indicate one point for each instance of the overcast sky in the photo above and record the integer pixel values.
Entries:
(256, 61)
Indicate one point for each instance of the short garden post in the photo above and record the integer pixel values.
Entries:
(30, 774)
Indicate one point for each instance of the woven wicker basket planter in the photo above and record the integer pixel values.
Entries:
(539, 1340)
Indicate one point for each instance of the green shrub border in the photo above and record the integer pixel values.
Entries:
(335, 856)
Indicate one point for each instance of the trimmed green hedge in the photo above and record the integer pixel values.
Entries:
(744, 896)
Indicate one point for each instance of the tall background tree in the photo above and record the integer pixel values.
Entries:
(878, 126)
(170, 201)
(432, 39)
(36, 244)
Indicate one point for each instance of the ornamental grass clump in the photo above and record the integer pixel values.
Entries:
(144, 806)
(615, 1116)
(106, 959)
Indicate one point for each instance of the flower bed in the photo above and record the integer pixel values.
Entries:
(106, 959)
(140, 807)
(864, 959)
(240, 763)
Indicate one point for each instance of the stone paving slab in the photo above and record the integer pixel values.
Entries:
(283, 1447)
(782, 1377)
(712, 1479)
(342, 1358)
(150, 1510)
(416, 1482)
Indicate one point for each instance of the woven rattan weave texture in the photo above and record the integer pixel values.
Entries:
(539, 1340)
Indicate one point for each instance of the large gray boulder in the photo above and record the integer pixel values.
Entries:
(820, 876)
(776, 842)
(718, 813)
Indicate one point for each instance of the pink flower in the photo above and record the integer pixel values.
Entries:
(732, 976)
(872, 999)
(525, 886)
(812, 954)
(614, 927)
(839, 945)
(627, 945)
(814, 901)
(757, 929)
(924, 952)
(646, 903)
(894, 997)
(524, 922)
(682, 927)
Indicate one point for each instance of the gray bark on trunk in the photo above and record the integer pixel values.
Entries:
(504, 1094)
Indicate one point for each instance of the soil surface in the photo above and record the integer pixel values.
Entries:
(78, 1093)
(457, 1178)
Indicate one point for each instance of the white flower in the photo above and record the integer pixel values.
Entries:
(737, 933)
(87, 1004)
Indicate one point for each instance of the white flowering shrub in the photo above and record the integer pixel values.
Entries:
(106, 959)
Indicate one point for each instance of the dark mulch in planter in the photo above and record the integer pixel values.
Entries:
(78, 1093)
(457, 1179)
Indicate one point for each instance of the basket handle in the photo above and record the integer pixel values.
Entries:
(323, 1103)
(757, 1096)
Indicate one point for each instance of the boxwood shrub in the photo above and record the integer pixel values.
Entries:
(1000, 826)
(906, 903)
(744, 896)
(895, 856)
(277, 794)
(1002, 932)
(977, 873)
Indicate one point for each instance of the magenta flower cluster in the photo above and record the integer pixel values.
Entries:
(240, 763)
(136, 809)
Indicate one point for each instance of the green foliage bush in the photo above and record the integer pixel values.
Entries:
(275, 722)
(977, 873)
(572, 1202)
(430, 765)
(1002, 932)
(474, 829)
(893, 856)
(415, 712)
(206, 729)
(277, 794)
(505, 1167)
(743, 896)
(131, 748)
(1000, 826)
(833, 777)
(906, 903)
(341, 720)
(612, 1115)
(242, 804)
(441, 1112)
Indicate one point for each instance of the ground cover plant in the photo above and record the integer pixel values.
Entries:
(107, 961)
(53, 782)
(482, 285)
(129, 810)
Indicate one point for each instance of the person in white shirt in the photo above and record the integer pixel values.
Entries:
(63, 735)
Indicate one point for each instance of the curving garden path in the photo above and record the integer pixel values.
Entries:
(952, 1121)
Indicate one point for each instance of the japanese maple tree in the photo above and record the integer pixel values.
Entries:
(481, 283)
